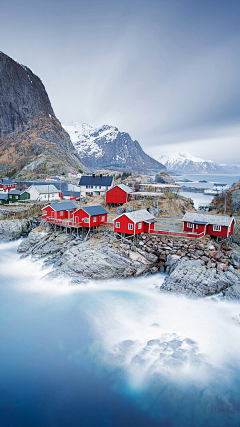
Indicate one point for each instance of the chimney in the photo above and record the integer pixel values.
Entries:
(100, 175)
(93, 175)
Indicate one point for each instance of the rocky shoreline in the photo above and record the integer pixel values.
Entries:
(197, 268)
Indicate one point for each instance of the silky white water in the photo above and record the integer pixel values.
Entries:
(146, 345)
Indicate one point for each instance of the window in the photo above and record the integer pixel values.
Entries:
(99, 186)
(217, 228)
(16, 197)
(189, 225)
(196, 226)
(44, 213)
(91, 186)
(10, 196)
(130, 226)
(94, 219)
(117, 224)
(139, 225)
(103, 218)
(61, 213)
(95, 186)
(86, 220)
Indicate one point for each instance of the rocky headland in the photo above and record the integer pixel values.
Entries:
(197, 268)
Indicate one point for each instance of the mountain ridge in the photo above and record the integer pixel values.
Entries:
(186, 163)
(107, 147)
(28, 125)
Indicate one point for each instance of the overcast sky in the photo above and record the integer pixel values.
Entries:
(167, 72)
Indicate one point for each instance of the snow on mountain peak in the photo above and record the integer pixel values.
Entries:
(107, 146)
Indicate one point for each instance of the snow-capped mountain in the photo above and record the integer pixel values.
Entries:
(186, 163)
(107, 147)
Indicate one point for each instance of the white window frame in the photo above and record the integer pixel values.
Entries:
(86, 220)
(139, 225)
(117, 224)
(217, 228)
(189, 225)
(130, 226)
(94, 219)
(44, 213)
(103, 218)
(196, 226)
(61, 213)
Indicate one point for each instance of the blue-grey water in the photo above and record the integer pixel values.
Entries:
(201, 199)
(117, 353)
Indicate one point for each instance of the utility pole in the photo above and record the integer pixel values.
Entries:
(225, 204)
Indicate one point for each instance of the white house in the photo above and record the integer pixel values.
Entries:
(95, 185)
(43, 192)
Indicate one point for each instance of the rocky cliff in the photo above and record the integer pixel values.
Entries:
(106, 147)
(29, 129)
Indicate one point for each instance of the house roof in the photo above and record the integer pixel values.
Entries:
(62, 206)
(96, 180)
(45, 189)
(94, 210)
(124, 188)
(208, 218)
(17, 192)
(3, 196)
(70, 193)
(137, 216)
(7, 182)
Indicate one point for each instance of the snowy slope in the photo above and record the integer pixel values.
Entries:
(107, 147)
(186, 163)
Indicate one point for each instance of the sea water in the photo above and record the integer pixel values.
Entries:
(113, 353)
(202, 199)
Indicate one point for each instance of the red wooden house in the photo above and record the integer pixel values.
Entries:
(213, 225)
(135, 222)
(119, 194)
(7, 185)
(90, 216)
(62, 210)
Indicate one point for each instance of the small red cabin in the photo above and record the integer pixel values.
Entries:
(90, 216)
(63, 210)
(119, 194)
(135, 222)
(213, 225)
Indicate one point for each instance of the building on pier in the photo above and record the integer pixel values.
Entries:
(90, 216)
(136, 222)
(213, 225)
(119, 194)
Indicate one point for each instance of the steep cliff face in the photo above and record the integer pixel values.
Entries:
(29, 127)
(106, 147)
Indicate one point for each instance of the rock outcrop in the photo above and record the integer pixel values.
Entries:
(193, 268)
(13, 229)
(29, 129)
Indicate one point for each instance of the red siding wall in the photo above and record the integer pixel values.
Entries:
(78, 218)
(222, 233)
(198, 228)
(82, 214)
(186, 228)
(117, 195)
(124, 221)
(51, 213)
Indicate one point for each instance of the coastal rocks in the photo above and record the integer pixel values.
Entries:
(192, 277)
(83, 260)
(13, 229)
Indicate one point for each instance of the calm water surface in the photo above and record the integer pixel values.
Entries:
(118, 353)
(201, 199)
